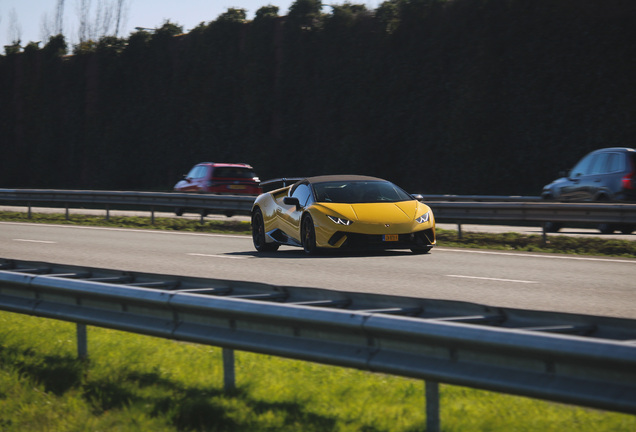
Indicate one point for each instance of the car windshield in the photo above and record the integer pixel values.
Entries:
(352, 192)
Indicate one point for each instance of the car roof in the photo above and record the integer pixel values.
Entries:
(226, 164)
(627, 149)
(347, 177)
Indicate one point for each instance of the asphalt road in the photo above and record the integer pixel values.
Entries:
(587, 285)
(529, 230)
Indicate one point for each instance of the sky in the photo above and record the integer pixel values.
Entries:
(25, 18)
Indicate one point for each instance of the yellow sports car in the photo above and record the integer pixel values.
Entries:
(344, 211)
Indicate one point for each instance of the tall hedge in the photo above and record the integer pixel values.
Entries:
(458, 96)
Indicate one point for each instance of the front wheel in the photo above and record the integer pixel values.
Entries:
(552, 227)
(606, 228)
(308, 235)
(258, 234)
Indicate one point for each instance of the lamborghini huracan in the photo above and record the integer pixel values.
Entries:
(342, 211)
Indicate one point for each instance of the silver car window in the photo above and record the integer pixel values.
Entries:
(583, 167)
(615, 163)
(599, 164)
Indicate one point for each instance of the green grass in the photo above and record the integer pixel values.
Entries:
(140, 383)
(534, 243)
(509, 241)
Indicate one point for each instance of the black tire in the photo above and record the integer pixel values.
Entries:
(606, 228)
(258, 234)
(308, 235)
(627, 229)
(178, 211)
(552, 227)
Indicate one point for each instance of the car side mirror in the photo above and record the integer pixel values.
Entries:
(418, 197)
(292, 201)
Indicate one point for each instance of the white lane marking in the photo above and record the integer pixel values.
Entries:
(219, 256)
(151, 231)
(493, 279)
(555, 256)
(34, 241)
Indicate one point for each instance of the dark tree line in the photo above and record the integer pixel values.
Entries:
(458, 96)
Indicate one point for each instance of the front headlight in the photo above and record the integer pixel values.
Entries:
(424, 218)
(339, 221)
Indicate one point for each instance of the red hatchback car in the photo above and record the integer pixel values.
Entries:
(220, 178)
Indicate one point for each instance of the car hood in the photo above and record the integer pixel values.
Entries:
(557, 182)
(394, 212)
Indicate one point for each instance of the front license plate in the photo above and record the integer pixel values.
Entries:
(390, 237)
(236, 187)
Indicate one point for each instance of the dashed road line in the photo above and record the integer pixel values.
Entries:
(493, 279)
(219, 256)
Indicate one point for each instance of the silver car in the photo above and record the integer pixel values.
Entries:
(607, 174)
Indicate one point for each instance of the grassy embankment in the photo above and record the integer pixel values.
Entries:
(140, 383)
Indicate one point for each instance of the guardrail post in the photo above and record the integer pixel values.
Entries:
(82, 344)
(432, 406)
(107, 212)
(459, 230)
(544, 234)
(152, 215)
(29, 206)
(229, 377)
(67, 215)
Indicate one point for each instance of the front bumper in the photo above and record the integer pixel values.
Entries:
(347, 240)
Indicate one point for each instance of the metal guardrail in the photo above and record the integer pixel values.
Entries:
(202, 203)
(504, 350)
(472, 208)
(481, 198)
(535, 212)
(619, 216)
